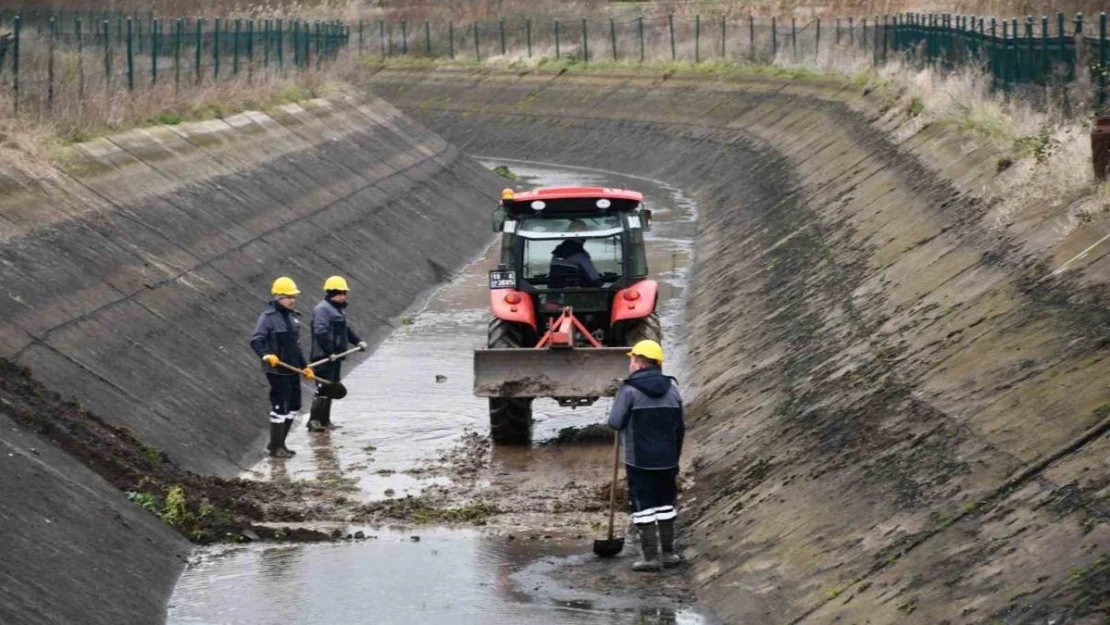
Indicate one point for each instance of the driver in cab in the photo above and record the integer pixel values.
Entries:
(571, 264)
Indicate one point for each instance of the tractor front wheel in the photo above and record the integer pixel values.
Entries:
(647, 328)
(510, 418)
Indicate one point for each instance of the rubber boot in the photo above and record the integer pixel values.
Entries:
(285, 427)
(325, 412)
(649, 544)
(666, 543)
(277, 437)
(317, 414)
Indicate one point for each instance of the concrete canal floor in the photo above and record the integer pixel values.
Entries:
(412, 431)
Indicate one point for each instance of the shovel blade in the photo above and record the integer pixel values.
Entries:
(609, 547)
(570, 373)
(332, 390)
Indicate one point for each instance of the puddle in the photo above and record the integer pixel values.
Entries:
(448, 577)
(409, 405)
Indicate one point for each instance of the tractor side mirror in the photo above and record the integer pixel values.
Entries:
(645, 216)
(498, 218)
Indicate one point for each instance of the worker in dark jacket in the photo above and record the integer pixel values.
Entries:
(276, 339)
(648, 413)
(571, 264)
(330, 336)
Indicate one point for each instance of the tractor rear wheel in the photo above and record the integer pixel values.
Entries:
(510, 418)
(644, 329)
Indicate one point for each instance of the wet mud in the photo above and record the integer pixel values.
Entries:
(412, 451)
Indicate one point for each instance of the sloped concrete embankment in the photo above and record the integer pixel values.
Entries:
(901, 387)
(131, 280)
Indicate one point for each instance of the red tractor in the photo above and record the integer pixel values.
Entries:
(569, 296)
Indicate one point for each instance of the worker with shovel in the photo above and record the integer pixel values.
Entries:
(648, 414)
(276, 340)
(331, 336)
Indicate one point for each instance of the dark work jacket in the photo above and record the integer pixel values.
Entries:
(648, 412)
(330, 333)
(278, 332)
(573, 253)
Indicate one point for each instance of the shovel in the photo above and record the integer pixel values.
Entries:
(328, 388)
(610, 547)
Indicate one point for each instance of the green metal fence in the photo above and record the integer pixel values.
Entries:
(44, 52)
(1046, 54)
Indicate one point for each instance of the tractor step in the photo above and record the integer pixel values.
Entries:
(563, 374)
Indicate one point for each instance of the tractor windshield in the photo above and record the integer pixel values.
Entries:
(604, 253)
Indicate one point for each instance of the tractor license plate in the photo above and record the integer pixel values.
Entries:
(502, 279)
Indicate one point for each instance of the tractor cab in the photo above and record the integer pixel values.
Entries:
(570, 293)
(571, 247)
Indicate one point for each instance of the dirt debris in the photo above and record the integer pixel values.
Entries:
(204, 509)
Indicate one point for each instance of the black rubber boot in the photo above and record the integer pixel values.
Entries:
(285, 427)
(325, 411)
(649, 544)
(316, 414)
(277, 438)
(666, 543)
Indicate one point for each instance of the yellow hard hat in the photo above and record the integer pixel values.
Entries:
(336, 283)
(648, 349)
(284, 286)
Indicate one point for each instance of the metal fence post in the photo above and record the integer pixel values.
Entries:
(279, 49)
(838, 31)
(1030, 63)
(155, 24)
(197, 61)
(52, 34)
(78, 31)
(851, 30)
(451, 39)
(697, 39)
(613, 37)
(585, 42)
(817, 44)
(557, 53)
(381, 35)
(477, 46)
(130, 57)
(427, 38)
(404, 37)
(723, 48)
(17, 29)
(774, 39)
(216, 49)
(106, 29)
(501, 34)
(1103, 53)
(670, 23)
(751, 35)
(793, 38)
(178, 31)
(528, 34)
(640, 33)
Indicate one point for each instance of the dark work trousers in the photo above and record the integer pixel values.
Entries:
(285, 397)
(652, 494)
(328, 371)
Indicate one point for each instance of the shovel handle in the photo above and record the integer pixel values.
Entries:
(324, 361)
(301, 371)
(613, 484)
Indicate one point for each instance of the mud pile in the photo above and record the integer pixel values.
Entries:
(901, 403)
(132, 277)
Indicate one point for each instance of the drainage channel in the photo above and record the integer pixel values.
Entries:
(412, 429)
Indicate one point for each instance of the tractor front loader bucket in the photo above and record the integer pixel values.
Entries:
(551, 372)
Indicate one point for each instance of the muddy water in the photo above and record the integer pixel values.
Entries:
(409, 405)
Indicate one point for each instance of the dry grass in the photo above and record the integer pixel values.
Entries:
(86, 104)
